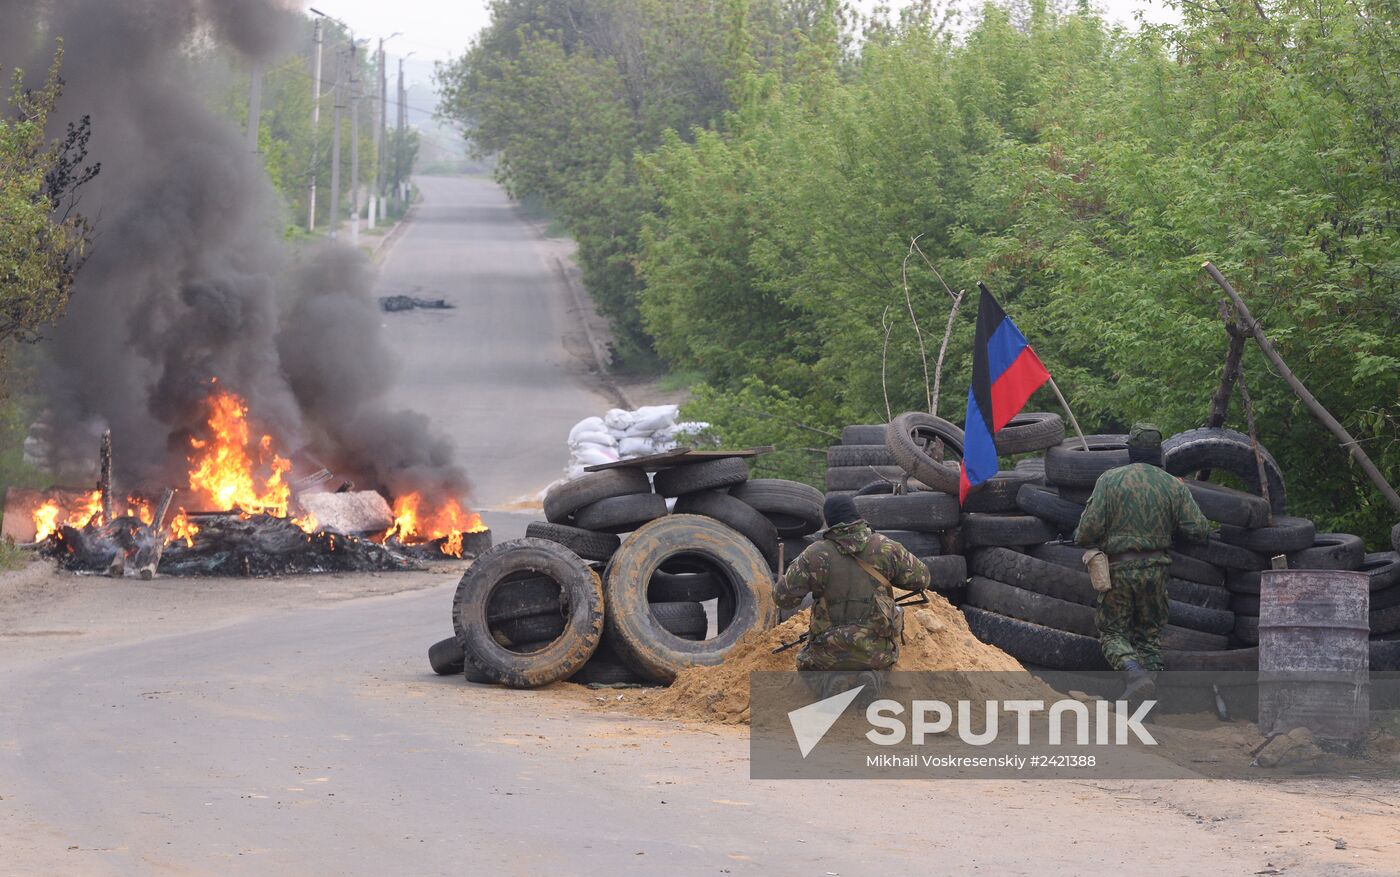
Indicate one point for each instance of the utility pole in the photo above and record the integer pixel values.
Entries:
(335, 150)
(378, 139)
(255, 106)
(315, 124)
(354, 142)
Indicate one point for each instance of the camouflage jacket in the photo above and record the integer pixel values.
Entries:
(1139, 507)
(809, 573)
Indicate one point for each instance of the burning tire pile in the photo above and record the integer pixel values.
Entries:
(1007, 559)
(632, 578)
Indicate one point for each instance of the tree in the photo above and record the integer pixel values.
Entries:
(43, 236)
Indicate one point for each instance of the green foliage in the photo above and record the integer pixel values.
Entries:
(1085, 173)
(566, 94)
(42, 236)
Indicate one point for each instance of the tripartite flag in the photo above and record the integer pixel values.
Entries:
(1005, 372)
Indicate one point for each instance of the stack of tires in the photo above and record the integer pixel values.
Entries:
(683, 564)
(860, 460)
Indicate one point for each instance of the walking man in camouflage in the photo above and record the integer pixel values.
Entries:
(851, 574)
(1132, 516)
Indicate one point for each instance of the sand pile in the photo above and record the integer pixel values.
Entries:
(936, 637)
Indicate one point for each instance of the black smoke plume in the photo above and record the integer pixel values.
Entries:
(189, 279)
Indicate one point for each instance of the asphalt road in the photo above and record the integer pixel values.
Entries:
(146, 730)
(492, 373)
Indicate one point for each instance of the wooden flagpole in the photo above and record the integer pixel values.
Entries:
(1072, 419)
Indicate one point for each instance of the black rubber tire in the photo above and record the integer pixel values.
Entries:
(1045, 503)
(1183, 639)
(1385, 656)
(1243, 582)
(686, 619)
(863, 434)
(583, 601)
(1200, 618)
(1247, 629)
(738, 516)
(947, 572)
(1386, 600)
(1079, 495)
(924, 511)
(1244, 604)
(1228, 450)
(1217, 553)
(1031, 464)
(1213, 661)
(793, 548)
(1226, 505)
(446, 656)
(1070, 465)
(1030, 431)
(695, 477)
(1035, 574)
(1384, 569)
(585, 543)
(919, 544)
(1014, 602)
(794, 508)
(998, 494)
(1196, 594)
(1395, 538)
(517, 595)
(531, 629)
(1189, 568)
(906, 438)
(1385, 621)
(606, 671)
(1009, 531)
(689, 587)
(1285, 535)
(863, 456)
(1330, 551)
(563, 500)
(637, 637)
(621, 514)
(856, 477)
(1034, 643)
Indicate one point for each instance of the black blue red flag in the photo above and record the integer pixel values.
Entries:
(1005, 372)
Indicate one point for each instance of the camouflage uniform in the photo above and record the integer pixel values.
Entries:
(1138, 507)
(853, 616)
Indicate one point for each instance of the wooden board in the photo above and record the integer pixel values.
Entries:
(678, 457)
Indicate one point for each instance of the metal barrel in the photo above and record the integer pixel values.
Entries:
(1313, 654)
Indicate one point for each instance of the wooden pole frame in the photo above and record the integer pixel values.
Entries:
(1248, 323)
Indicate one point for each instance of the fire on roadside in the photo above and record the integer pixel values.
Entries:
(448, 523)
(230, 470)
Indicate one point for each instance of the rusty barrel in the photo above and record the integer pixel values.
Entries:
(1313, 654)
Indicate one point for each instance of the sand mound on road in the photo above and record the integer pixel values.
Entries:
(936, 637)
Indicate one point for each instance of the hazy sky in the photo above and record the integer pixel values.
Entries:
(438, 29)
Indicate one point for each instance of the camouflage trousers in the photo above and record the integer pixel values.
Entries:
(1131, 615)
(848, 647)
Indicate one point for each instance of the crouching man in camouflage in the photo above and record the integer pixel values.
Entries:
(851, 574)
(1132, 516)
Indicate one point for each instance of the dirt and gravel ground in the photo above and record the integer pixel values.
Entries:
(292, 726)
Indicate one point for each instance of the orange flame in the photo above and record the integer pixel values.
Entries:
(223, 469)
(447, 524)
(46, 516)
(182, 528)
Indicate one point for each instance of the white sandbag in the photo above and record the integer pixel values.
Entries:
(595, 456)
(650, 418)
(636, 447)
(588, 424)
(599, 438)
(617, 419)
